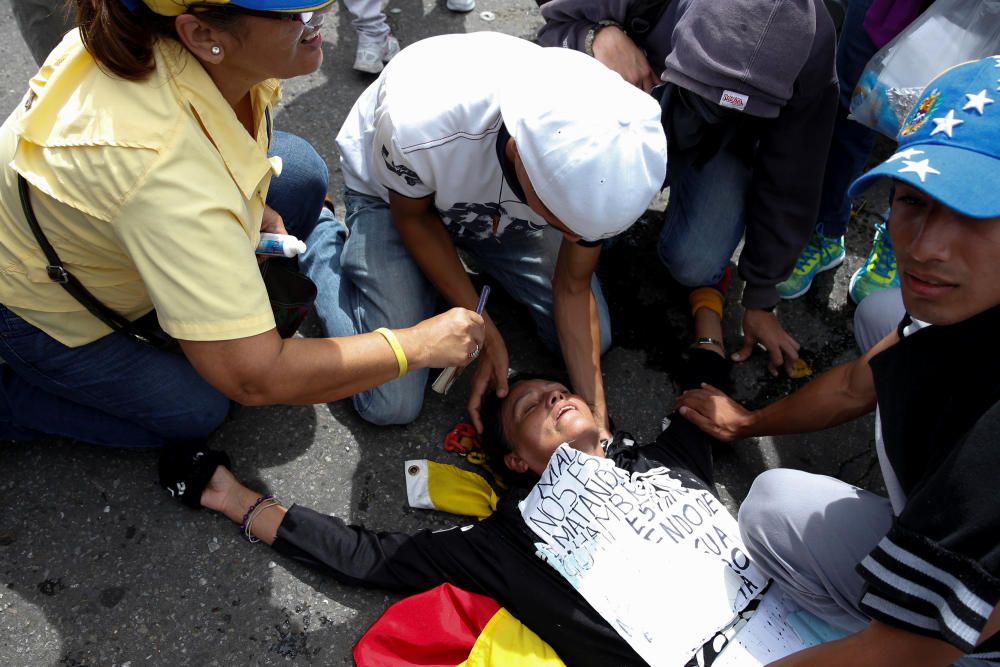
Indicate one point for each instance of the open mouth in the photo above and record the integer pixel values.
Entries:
(568, 407)
(311, 36)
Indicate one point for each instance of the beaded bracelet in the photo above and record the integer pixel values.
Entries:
(263, 506)
(245, 526)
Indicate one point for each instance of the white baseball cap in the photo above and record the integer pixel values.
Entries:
(591, 143)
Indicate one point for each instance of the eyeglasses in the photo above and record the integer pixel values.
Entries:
(312, 20)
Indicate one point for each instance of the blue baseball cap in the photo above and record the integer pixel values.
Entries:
(178, 7)
(949, 144)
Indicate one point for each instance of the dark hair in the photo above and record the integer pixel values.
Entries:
(121, 41)
(495, 443)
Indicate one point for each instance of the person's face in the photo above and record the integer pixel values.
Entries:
(539, 415)
(534, 203)
(275, 48)
(949, 264)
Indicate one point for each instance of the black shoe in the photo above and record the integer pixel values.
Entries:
(185, 471)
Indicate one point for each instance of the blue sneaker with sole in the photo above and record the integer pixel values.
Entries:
(879, 270)
(822, 253)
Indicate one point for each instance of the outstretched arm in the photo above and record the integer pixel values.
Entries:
(351, 554)
(842, 393)
(266, 369)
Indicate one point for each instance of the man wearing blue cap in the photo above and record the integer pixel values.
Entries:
(916, 576)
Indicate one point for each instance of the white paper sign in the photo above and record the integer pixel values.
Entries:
(662, 562)
(771, 633)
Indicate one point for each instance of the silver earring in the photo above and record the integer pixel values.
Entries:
(216, 50)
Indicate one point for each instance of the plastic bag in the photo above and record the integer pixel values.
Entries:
(950, 32)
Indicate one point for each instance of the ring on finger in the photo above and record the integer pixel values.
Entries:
(474, 353)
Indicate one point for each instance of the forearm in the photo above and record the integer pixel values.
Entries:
(352, 554)
(358, 556)
(878, 645)
(266, 369)
(832, 398)
(306, 371)
(578, 325)
(265, 523)
(567, 22)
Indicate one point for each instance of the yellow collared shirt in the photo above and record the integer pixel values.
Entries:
(152, 193)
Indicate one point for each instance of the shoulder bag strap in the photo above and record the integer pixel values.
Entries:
(58, 274)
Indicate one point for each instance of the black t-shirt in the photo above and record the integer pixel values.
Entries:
(937, 572)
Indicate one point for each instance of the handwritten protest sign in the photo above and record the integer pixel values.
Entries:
(599, 526)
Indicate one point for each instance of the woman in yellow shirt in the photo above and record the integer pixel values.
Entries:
(145, 142)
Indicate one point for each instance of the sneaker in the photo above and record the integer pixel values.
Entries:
(371, 56)
(879, 271)
(461, 5)
(822, 253)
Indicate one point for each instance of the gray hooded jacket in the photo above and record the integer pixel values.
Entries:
(774, 61)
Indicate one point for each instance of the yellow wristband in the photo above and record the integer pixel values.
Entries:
(397, 349)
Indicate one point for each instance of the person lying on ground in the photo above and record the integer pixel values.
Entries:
(497, 557)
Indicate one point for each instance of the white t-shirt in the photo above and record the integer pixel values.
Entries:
(429, 125)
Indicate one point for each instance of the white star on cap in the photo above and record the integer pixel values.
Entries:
(921, 168)
(905, 155)
(977, 102)
(946, 124)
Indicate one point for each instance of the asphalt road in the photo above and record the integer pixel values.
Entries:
(99, 567)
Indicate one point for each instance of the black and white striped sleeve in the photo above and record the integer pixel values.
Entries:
(937, 571)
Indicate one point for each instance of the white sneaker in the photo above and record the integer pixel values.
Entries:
(370, 56)
(461, 5)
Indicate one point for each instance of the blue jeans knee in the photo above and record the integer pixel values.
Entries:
(394, 403)
(298, 193)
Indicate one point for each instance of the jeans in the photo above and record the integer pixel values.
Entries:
(121, 393)
(704, 220)
(852, 142)
(367, 279)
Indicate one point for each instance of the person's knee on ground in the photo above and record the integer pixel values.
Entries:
(692, 274)
(808, 532)
(395, 403)
(209, 410)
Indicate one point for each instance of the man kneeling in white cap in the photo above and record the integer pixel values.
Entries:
(522, 156)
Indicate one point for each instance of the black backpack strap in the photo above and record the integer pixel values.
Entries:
(58, 274)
